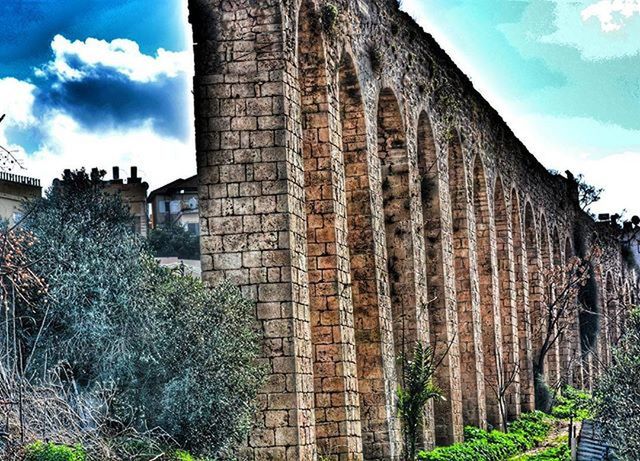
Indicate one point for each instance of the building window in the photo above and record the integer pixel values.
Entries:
(162, 206)
(175, 206)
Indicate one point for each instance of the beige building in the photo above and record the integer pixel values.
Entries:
(176, 202)
(14, 190)
(134, 193)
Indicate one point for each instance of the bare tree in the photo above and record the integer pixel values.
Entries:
(587, 193)
(506, 379)
(560, 304)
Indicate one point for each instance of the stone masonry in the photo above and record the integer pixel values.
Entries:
(358, 188)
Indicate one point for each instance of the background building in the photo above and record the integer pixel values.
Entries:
(134, 193)
(176, 202)
(14, 190)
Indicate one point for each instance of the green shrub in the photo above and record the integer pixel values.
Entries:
(182, 455)
(535, 426)
(40, 451)
(174, 354)
(616, 397)
(560, 452)
(572, 403)
(479, 445)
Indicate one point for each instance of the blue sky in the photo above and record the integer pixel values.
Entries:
(97, 83)
(103, 82)
(564, 74)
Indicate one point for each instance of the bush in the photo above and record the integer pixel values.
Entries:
(199, 375)
(572, 404)
(182, 455)
(559, 452)
(40, 451)
(170, 353)
(479, 445)
(616, 398)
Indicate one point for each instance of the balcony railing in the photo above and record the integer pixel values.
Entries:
(16, 178)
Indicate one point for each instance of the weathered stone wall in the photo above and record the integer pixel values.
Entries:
(357, 187)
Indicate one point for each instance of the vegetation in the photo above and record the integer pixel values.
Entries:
(524, 434)
(330, 15)
(99, 343)
(417, 391)
(572, 404)
(39, 451)
(173, 240)
(587, 194)
(559, 451)
(617, 396)
(559, 308)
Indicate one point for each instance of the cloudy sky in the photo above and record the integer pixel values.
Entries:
(97, 83)
(104, 82)
(564, 74)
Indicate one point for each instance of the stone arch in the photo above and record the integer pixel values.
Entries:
(331, 314)
(610, 308)
(571, 363)
(489, 293)
(600, 349)
(552, 362)
(506, 266)
(536, 290)
(469, 327)
(447, 413)
(521, 258)
(364, 285)
(568, 249)
(558, 260)
(555, 284)
(561, 350)
(394, 168)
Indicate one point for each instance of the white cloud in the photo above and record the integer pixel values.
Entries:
(608, 12)
(65, 143)
(17, 98)
(68, 145)
(74, 60)
(618, 175)
(16, 103)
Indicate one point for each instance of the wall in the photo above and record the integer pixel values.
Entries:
(358, 188)
(14, 190)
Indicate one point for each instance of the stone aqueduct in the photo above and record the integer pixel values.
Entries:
(357, 187)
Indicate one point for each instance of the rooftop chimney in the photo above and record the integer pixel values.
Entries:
(134, 176)
(116, 176)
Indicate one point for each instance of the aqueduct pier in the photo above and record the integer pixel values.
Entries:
(357, 187)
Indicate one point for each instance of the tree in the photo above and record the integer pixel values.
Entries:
(174, 240)
(200, 382)
(506, 379)
(417, 390)
(93, 262)
(587, 193)
(170, 352)
(617, 395)
(559, 309)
